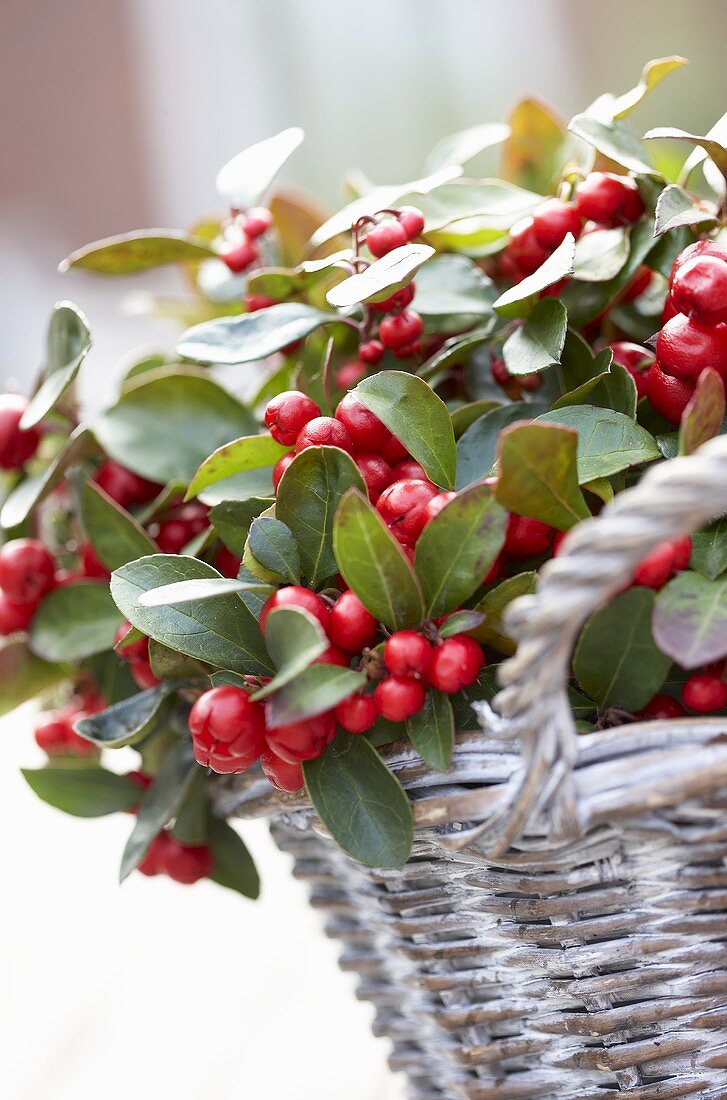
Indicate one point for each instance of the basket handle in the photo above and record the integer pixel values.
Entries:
(673, 499)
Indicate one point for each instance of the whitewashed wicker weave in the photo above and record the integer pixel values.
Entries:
(561, 927)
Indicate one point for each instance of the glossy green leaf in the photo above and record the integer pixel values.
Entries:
(251, 336)
(67, 345)
(24, 676)
(702, 418)
(538, 343)
(533, 154)
(82, 791)
(538, 474)
(494, 604)
(374, 566)
(199, 588)
(616, 140)
(249, 453)
(477, 447)
(250, 485)
(128, 253)
(431, 731)
(454, 351)
(514, 301)
(608, 441)
(460, 622)
(74, 622)
(452, 287)
(283, 283)
(361, 803)
(611, 388)
(316, 689)
(464, 416)
(115, 535)
(709, 550)
(126, 722)
(496, 201)
(383, 278)
(459, 148)
(232, 518)
(275, 548)
(30, 492)
(167, 664)
(243, 181)
(192, 820)
(676, 207)
(294, 639)
(600, 255)
(690, 619)
(233, 865)
(160, 803)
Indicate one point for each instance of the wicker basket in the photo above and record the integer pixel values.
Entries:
(561, 927)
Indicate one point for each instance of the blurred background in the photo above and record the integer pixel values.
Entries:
(116, 115)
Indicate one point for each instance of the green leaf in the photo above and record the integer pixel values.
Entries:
(166, 424)
(24, 676)
(361, 803)
(616, 140)
(253, 484)
(294, 639)
(274, 546)
(454, 351)
(249, 453)
(539, 474)
(608, 441)
(115, 535)
(477, 447)
(459, 148)
(492, 631)
(308, 496)
(489, 200)
(385, 276)
(141, 250)
(690, 619)
(676, 207)
(374, 566)
(201, 588)
(30, 492)
(456, 549)
(653, 73)
(617, 660)
(431, 731)
(600, 255)
(460, 622)
(709, 550)
(167, 664)
(126, 722)
(233, 865)
(514, 301)
(251, 336)
(160, 803)
(191, 824)
(314, 690)
(703, 416)
(222, 632)
(452, 292)
(538, 343)
(417, 417)
(74, 622)
(612, 388)
(533, 155)
(283, 283)
(82, 791)
(464, 416)
(232, 518)
(67, 345)
(243, 181)
(714, 149)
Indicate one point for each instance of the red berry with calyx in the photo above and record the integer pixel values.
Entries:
(324, 431)
(357, 713)
(279, 469)
(371, 352)
(456, 664)
(376, 473)
(399, 329)
(437, 503)
(394, 452)
(124, 486)
(699, 289)
(295, 596)
(258, 220)
(608, 199)
(409, 468)
(667, 395)
(636, 360)
(14, 617)
(403, 507)
(27, 569)
(526, 537)
(552, 220)
(350, 374)
(228, 729)
(412, 221)
(699, 248)
(662, 706)
(385, 237)
(407, 653)
(134, 651)
(524, 249)
(705, 694)
(186, 863)
(16, 446)
(351, 625)
(227, 563)
(287, 414)
(239, 255)
(684, 347)
(304, 740)
(399, 697)
(365, 429)
(283, 775)
(399, 300)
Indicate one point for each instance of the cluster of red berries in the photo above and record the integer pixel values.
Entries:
(704, 692)
(399, 328)
(16, 445)
(27, 574)
(637, 361)
(54, 732)
(239, 250)
(694, 328)
(186, 863)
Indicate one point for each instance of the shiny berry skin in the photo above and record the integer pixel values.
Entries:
(324, 431)
(524, 248)
(407, 653)
(228, 729)
(256, 302)
(287, 414)
(239, 256)
(376, 472)
(684, 347)
(526, 537)
(258, 220)
(699, 289)
(399, 697)
(398, 329)
(185, 524)
(27, 569)
(632, 206)
(699, 248)
(357, 713)
(552, 220)
(14, 617)
(279, 469)
(403, 507)
(412, 221)
(385, 237)
(705, 694)
(437, 503)
(134, 651)
(124, 486)
(664, 560)
(669, 396)
(350, 625)
(608, 199)
(304, 740)
(350, 374)
(294, 595)
(227, 563)
(91, 566)
(334, 655)
(636, 360)
(16, 446)
(283, 775)
(409, 468)
(371, 352)
(662, 706)
(400, 300)
(456, 664)
(395, 452)
(186, 863)
(366, 430)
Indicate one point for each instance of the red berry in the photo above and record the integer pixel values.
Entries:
(258, 220)
(684, 347)
(662, 706)
(227, 563)
(682, 553)
(699, 248)
(632, 206)
(412, 220)
(134, 651)
(123, 486)
(239, 256)
(366, 430)
(255, 302)
(668, 311)
(16, 446)
(151, 864)
(395, 452)
(399, 329)
(186, 863)
(608, 199)
(435, 505)
(524, 248)
(409, 468)
(656, 568)
(456, 664)
(287, 414)
(552, 220)
(283, 775)
(384, 237)
(334, 655)
(669, 396)
(294, 595)
(27, 569)
(228, 729)
(526, 537)
(399, 300)
(324, 431)
(376, 472)
(407, 653)
(403, 507)
(304, 740)
(14, 617)
(350, 374)
(399, 697)
(357, 713)
(636, 286)
(371, 352)
(499, 371)
(50, 734)
(279, 469)
(143, 675)
(140, 780)
(173, 536)
(351, 626)
(699, 288)
(705, 694)
(636, 360)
